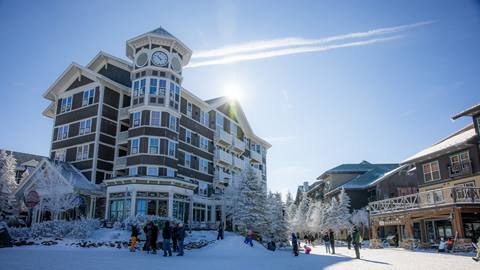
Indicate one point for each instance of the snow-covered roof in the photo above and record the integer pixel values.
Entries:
(361, 167)
(457, 140)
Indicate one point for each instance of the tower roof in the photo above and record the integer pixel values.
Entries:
(160, 31)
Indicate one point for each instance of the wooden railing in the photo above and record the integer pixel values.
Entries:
(426, 199)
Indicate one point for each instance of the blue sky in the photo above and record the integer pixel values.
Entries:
(380, 101)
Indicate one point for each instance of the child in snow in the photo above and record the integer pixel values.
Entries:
(249, 238)
(441, 245)
(133, 238)
(307, 249)
(295, 244)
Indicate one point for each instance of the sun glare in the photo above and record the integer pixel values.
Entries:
(233, 92)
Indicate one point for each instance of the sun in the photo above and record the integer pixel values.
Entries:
(233, 92)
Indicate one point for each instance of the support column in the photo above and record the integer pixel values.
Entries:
(190, 211)
(91, 209)
(409, 227)
(133, 203)
(457, 222)
(170, 205)
(212, 213)
(107, 207)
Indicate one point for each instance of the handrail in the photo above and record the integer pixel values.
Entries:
(426, 199)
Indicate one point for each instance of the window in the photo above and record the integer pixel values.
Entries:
(135, 144)
(203, 165)
(66, 104)
(172, 123)
(85, 126)
(132, 171)
(170, 172)
(154, 146)
(60, 155)
(188, 160)
(258, 148)
(162, 87)
(139, 88)
(202, 189)
(137, 116)
(82, 152)
(204, 118)
(219, 121)
(431, 171)
(203, 143)
(174, 95)
(458, 160)
(233, 129)
(62, 132)
(88, 97)
(155, 118)
(188, 136)
(152, 171)
(171, 148)
(136, 86)
(189, 109)
(141, 206)
(153, 86)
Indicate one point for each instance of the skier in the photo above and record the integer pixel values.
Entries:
(357, 241)
(249, 238)
(174, 238)
(477, 247)
(167, 237)
(133, 238)
(220, 231)
(180, 238)
(326, 241)
(441, 245)
(349, 241)
(295, 244)
(332, 241)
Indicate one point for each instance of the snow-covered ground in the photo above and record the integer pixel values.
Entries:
(229, 254)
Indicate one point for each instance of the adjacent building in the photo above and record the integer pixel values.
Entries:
(447, 204)
(155, 147)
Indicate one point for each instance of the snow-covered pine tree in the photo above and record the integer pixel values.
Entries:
(8, 183)
(360, 219)
(290, 211)
(316, 217)
(251, 201)
(331, 217)
(343, 212)
(300, 219)
(277, 224)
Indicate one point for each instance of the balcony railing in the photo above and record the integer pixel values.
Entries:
(223, 137)
(120, 163)
(238, 145)
(222, 178)
(123, 137)
(123, 113)
(238, 162)
(255, 156)
(223, 157)
(460, 168)
(426, 199)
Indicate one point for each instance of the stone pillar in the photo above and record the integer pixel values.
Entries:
(457, 222)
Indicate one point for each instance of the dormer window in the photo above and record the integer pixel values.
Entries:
(431, 171)
(66, 104)
(88, 97)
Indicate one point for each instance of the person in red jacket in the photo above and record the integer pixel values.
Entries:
(307, 249)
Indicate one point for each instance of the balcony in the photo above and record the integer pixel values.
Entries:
(222, 178)
(123, 113)
(238, 163)
(460, 169)
(255, 156)
(223, 137)
(122, 137)
(238, 145)
(258, 172)
(426, 199)
(120, 163)
(223, 157)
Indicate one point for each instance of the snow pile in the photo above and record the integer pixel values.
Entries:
(77, 229)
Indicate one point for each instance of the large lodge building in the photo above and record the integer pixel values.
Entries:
(136, 142)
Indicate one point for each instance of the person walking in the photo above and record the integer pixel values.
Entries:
(326, 241)
(357, 241)
(220, 231)
(148, 230)
(477, 247)
(133, 238)
(349, 241)
(332, 241)
(174, 238)
(249, 238)
(167, 237)
(295, 244)
(180, 238)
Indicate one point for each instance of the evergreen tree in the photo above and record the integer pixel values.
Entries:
(343, 212)
(300, 219)
(277, 224)
(290, 211)
(8, 183)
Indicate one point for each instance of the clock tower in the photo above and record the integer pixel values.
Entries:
(153, 126)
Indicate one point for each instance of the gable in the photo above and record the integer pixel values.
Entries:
(229, 110)
(81, 81)
(116, 74)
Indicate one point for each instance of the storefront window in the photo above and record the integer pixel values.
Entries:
(180, 210)
(141, 207)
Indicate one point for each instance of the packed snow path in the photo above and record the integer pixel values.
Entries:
(229, 254)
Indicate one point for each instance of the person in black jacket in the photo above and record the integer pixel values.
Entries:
(349, 241)
(167, 237)
(151, 233)
(332, 241)
(180, 238)
(220, 231)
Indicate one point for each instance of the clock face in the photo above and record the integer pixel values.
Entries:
(142, 59)
(160, 59)
(176, 64)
